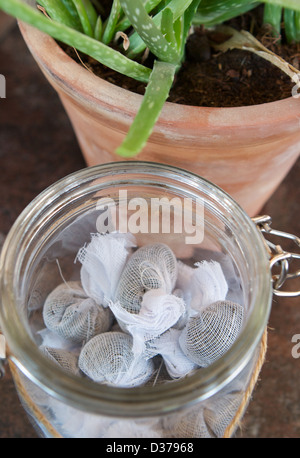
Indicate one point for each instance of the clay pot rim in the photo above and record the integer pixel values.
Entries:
(73, 78)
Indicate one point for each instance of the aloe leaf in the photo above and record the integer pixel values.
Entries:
(156, 94)
(182, 26)
(148, 31)
(297, 25)
(178, 27)
(292, 25)
(189, 15)
(99, 51)
(167, 28)
(178, 7)
(58, 12)
(73, 12)
(289, 25)
(212, 12)
(290, 4)
(111, 23)
(91, 12)
(272, 16)
(124, 23)
(84, 17)
(98, 6)
(98, 29)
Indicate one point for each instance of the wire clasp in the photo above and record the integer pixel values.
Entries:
(279, 257)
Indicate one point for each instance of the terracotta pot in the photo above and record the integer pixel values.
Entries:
(247, 151)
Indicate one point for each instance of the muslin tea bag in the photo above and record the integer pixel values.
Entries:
(103, 260)
(158, 312)
(150, 267)
(108, 358)
(71, 314)
(210, 333)
(166, 345)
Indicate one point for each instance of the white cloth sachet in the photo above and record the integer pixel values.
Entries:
(202, 285)
(71, 314)
(210, 333)
(167, 345)
(159, 311)
(108, 358)
(103, 260)
(150, 267)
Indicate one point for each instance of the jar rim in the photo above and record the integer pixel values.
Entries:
(139, 401)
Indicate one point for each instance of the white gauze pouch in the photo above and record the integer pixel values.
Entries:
(74, 316)
(103, 261)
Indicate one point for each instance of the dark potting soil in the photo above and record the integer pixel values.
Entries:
(211, 78)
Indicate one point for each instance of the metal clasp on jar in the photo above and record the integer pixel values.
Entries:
(278, 257)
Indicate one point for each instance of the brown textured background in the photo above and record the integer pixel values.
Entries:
(38, 147)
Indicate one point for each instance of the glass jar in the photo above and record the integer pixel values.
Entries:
(39, 253)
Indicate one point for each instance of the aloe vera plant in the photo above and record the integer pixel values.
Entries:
(157, 26)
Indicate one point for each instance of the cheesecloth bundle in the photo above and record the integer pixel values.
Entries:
(109, 358)
(103, 260)
(139, 315)
(150, 267)
(70, 313)
(64, 358)
(162, 306)
(210, 333)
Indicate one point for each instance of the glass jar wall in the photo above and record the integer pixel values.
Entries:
(201, 223)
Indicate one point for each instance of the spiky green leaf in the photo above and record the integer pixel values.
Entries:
(148, 31)
(110, 26)
(157, 92)
(291, 4)
(87, 19)
(99, 51)
(178, 7)
(60, 13)
(273, 16)
(212, 12)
